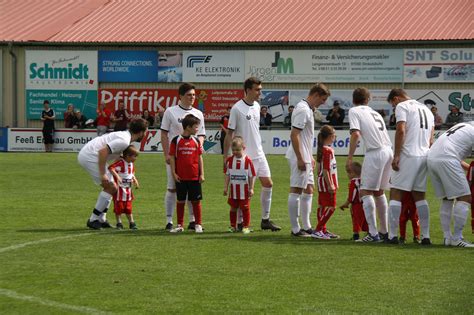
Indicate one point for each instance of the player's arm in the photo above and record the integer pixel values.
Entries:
(173, 169)
(432, 136)
(227, 143)
(354, 140)
(135, 182)
(400, 134)
(103, 155)
(201, 169)
(226, 184)
(465, 165)
(328, 180)
(295, 142)
(201, 139)
(165, 144)
(252, 180)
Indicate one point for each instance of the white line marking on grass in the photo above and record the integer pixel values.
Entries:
(46, 240)
(33, 299)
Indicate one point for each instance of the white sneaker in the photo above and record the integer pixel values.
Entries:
(177, 229)
(198, 228)
(320, 235)
(461, 243)
(447, 241)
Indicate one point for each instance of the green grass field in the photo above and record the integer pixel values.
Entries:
(51, 264)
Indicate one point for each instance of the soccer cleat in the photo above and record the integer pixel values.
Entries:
(94, 225)
(393, 240)
(447, 241)
(309, 231)
(370, 239)
(240, 226)
(425, 241)
(331, 235)
(169, 226)
(133, 226)
(269, 225)
(461, 243)
(416, 240)
(301, 233)
(192, 225)
(402, 240)
(383, 236)
(177, 229)
(246, 230)
(119, 226)
(320, 235)
(198, 228)
(106, 225)
(232, 229)
(355, 236)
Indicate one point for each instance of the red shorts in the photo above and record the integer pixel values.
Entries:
(243, 204)
(122, 207)
(326, 199)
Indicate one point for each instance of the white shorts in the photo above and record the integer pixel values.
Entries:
(93, 168)
(448, 178)
(298, 178)
(412, 174)
(261, 167)
(376, 169)
(171, 184)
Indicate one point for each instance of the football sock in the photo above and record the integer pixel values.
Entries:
(180, 213)
(368, 203)
(445, 213)
(306, 201)
(460, 213)
(382, 209)
(240, 218)
(170, 201)
(326, 214)
(266, 202)
(191, 212)
(233, 218)
(395, 208)
(293, 211)
(246, 215)
(197, 212)
(102, 203)
(424, 214)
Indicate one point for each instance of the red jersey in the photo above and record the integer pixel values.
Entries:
(240, 170)
(354, 188)
(126, 172)
(101, 120)
(186, 152)
(328, 163)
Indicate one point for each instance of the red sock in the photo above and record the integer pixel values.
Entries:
(233, 218)
(246, 217)
(325, 216)
(180, 213)
(197, 211)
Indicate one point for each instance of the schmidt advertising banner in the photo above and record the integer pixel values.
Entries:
(128, 66)
(364, 65)
(214, 66)
(63, 77)
(439, 65)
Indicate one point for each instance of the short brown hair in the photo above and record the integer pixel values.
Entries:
(237, 142)
(138, 125)
(190, 120)
(184, 88)
(320, 89)
(360, 96)
(130, 151)
(356, 168)
(248, 84)
(395, 93)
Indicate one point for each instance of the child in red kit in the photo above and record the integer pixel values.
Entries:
(123, 171)
(357, 211)
(409, 213)
(327, 182)
(240, 174)
(188, 171)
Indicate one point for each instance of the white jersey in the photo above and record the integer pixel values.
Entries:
(303, 120)
(457, 142)
(173, 117)
(419, 126)
(116, 141)
(244, 120)
(371, 126)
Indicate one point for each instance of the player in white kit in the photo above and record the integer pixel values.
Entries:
(171, 127)
(94, 156)
(301, 161)
(244, 121)
(450, 182)
(369, 125)
(413, 138)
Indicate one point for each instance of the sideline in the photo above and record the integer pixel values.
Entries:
(46, 240)
(81, 309)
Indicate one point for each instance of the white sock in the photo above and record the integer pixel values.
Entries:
(266, 201)
(170, 203)
(240, 216)
(424, 214)
(460, 212)
(191, 212)
(368, 203)
(382, 210)
(394, 210)
(305, 207)
(293, 211)
(102, 203)
(445, 213)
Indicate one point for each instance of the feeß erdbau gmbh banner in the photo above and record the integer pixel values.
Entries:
(62, 77)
